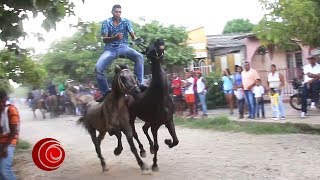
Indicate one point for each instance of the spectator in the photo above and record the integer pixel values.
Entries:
(276, 81)
(258, 91)
(201, 90)
(177, 94)
(9, 133)
(193, 74)
(311, 84)
(239, 91)
(274, 98)
(249, 77)
(228, 79)
(189, 95)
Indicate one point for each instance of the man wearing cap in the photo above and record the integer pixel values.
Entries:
(311, 84)
(115, 32)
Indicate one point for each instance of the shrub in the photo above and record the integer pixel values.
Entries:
(215, 96)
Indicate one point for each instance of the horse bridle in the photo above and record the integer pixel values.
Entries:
(122, 86)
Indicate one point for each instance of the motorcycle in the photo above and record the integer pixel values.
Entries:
(296, 99)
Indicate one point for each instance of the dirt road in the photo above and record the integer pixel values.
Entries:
(201, 154)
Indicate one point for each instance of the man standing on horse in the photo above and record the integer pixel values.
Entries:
(115, 32)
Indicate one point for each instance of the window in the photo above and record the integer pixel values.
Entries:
(294, 64)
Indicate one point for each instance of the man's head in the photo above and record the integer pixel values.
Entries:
(272, 91)
(198, 73)
(116, 11)
(3, 99)
(258, 82)
(273, 68)
(188, 74)
(247, 66)
(174, 75)
(312, 59)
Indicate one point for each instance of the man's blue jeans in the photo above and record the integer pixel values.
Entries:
(313, 91)
(6, 172)
(107, 57)
(281, 105)
(251, 103)
(202, 97)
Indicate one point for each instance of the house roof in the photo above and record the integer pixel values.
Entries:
(227, 40)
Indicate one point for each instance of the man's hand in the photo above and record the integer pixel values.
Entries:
(3, 151)
(119, 36)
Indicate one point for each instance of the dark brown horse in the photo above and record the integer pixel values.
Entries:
(38, 104)
(154, 106)
(112, 115)
(52, 101)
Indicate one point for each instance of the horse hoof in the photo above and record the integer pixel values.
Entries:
(143, 154)
(117, 151)
(155, 169)
(151, 150)
(168, 142)
(104, 169)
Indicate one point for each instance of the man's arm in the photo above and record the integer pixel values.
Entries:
(12, 134)
(281, 81)
(132, 35)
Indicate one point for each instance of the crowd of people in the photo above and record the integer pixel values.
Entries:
(245, 88)
(188, 92)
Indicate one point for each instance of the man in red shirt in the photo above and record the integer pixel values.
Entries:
(177, 94)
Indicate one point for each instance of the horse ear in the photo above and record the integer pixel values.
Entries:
(117, 69)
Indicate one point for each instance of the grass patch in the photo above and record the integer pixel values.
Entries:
(223, 123)
(23, 145)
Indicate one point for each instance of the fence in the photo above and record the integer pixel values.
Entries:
(205, 70)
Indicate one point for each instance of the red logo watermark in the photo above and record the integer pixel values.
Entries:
(48, 154)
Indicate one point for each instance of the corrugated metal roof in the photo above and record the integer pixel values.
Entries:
(227, 40)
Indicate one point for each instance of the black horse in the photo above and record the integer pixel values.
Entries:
(154, 106)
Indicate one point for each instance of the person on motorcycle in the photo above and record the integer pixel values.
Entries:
(115, 32)
(311, 84)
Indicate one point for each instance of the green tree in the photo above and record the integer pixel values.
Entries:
(238, 26)
(13, 12)
(177, 50)
(19, 68)
(290, 20)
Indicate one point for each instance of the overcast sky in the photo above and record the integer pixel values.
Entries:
(191, 14)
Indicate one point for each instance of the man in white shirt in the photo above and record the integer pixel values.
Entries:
(189, 94)
(311, 83)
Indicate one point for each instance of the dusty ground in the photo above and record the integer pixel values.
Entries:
(201, 154)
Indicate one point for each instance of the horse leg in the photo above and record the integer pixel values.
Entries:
(34, 113)
(97, 141)
(117, 151)
(135, 135)
(154, 131)
(172, 131)
(128, 132)
(43, 115)
(145, 128)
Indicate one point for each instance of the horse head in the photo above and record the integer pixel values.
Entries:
(125, 81)
(155, 51)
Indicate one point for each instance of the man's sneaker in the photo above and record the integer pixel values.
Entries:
(275, 118)
(100, 97)
(283, 118)
(303, 115)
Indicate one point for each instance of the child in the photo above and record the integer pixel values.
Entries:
(274, 104)
(258, 92)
